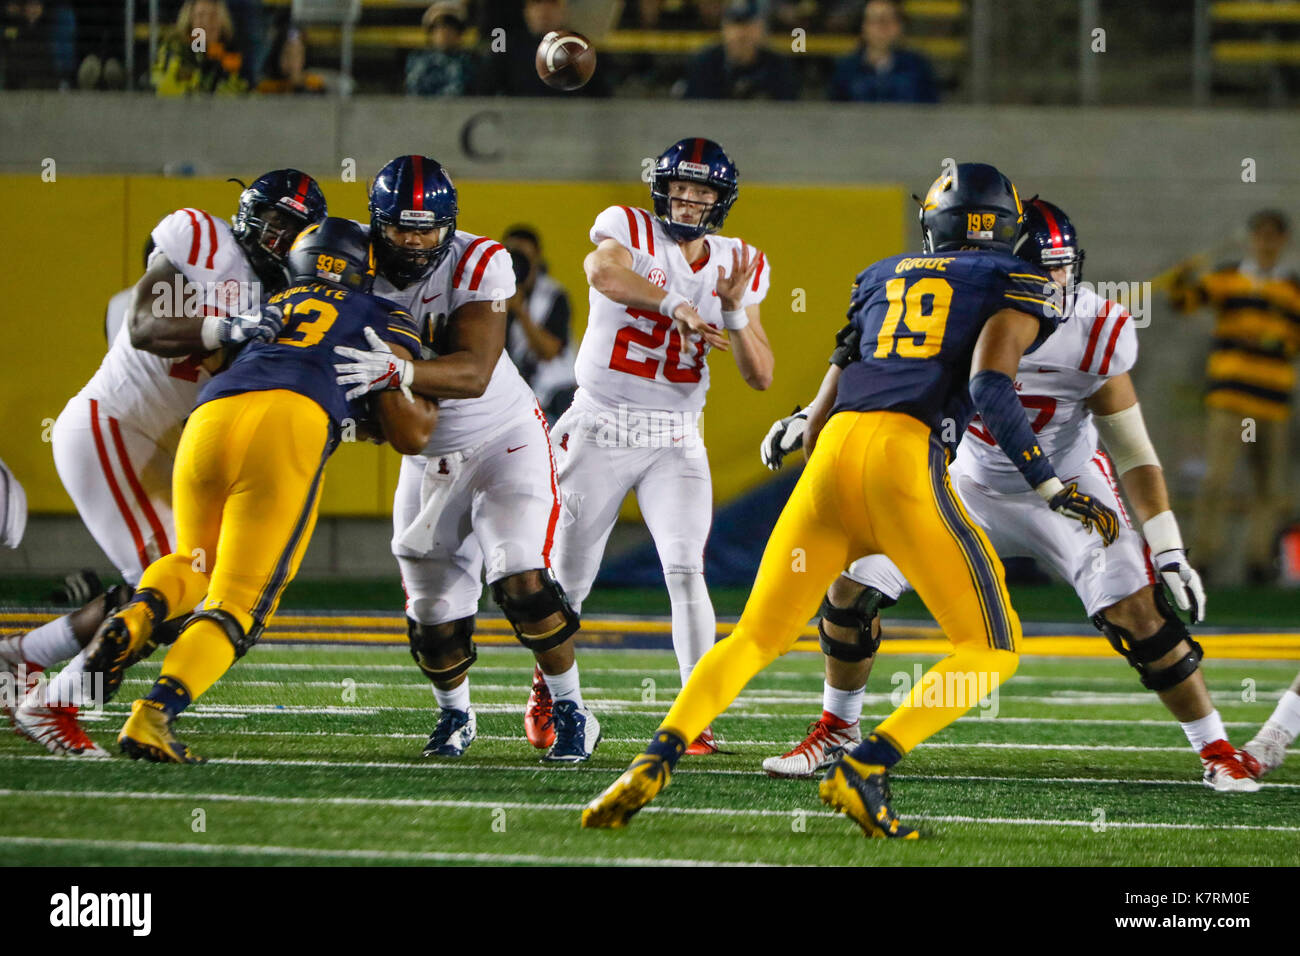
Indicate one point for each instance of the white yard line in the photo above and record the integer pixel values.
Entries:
(575, 807)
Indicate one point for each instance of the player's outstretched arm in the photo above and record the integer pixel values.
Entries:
(477, 338)
(749, 344)
(406, 423)
(165, 319)
(1002, 343)
(1115, 409)
(609, 271)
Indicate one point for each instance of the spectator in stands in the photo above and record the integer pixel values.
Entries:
(513, 71)
(39, 45)
(538, 325)
(442, 68)
(286, 64)
(1251, 378)
(741, 67)
(198, 56)
(879, 71)
(100, 45)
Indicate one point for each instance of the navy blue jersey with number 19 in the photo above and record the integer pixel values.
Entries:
(919, 318)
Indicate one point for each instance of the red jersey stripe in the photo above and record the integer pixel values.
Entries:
(649, 232)
(479, 269)
(1097, 324)
(555, 491)
(633, 232)
(417, 182)
(758, 273)
(212, 240)
(1110, 343)
(197, 239)
(464, 259)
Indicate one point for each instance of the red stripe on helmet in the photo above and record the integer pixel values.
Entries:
(303, 185)
(417, 186)
(1058, 240)
(697, 150)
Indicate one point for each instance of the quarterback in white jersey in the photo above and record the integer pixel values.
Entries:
(482, 499)
(1075, 388)
(115, 441)
(664, 288)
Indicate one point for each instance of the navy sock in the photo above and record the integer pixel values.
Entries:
(171, 694)
(667, 745)
(878, 750)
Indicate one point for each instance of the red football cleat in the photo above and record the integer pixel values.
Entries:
(703, 744)
(539, 717)
(1223, 769)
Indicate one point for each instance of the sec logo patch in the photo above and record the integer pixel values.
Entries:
(658, 277)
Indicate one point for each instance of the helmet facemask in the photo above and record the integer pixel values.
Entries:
(403, 264)
(712, 215)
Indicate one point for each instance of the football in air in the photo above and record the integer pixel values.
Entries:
(565, 60)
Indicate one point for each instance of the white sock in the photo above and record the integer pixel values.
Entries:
(455, 699)
(1287, 714)
(51, 643)
(695, 626)
(1206, 730)
(66, 688)
(565, 686)
(844, 704)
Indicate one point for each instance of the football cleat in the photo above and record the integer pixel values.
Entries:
(828, 737)
(456, 730)
(624, 798)
(56, 729)
(577, 734)
(539, 716)
(17, 675)
(703, 745)
(1266, 751)
(120, 641)
(147, 735)
(1223, 771)
(861, 791)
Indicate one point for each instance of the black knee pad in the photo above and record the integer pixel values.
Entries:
(857, 615)
(427, 646)
(538, 606)
(230, 626)
(1140, 654)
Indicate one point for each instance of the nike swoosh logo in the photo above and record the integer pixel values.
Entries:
(1044, 371)
(509, 450)
(431, 298)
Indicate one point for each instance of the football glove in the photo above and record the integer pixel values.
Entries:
(373, 369)
(264, 325)
(1085, 509)
(785, 436)
(1183, 581)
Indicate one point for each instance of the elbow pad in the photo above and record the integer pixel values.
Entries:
(994, 395)
(1125, 437)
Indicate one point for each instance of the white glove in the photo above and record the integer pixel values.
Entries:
(1170, 559)
(373, 369)
(264, 325)
(785, 436)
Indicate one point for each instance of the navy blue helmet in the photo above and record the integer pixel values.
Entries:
(411, 192)
(975, 207)
(1048, 239)
(299, 202)
(697, 161)
(336, 251)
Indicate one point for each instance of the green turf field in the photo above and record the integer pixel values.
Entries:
(1079, 767)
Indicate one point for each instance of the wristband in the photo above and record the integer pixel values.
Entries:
(669, 303)
(1162, 533)
(1050, 488)
(736, 319)
(208, 332)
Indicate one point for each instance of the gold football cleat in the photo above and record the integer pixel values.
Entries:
(638, 785)
(861, 791)
(147, 734)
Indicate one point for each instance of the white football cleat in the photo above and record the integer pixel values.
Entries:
(456, 730)
(1223, 771)
(577, 733)
(828, 737)
(56, 729)
(1266, 752)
